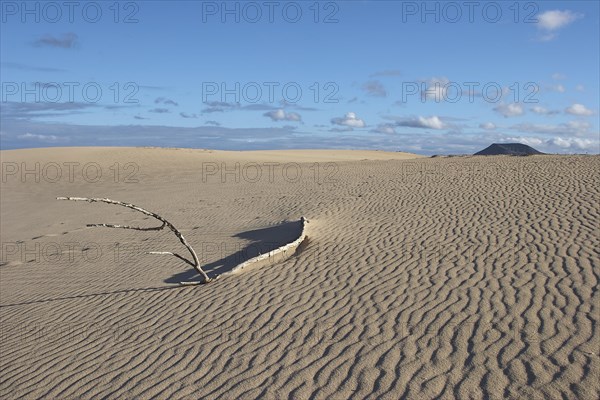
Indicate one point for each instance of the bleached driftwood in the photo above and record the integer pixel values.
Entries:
(282, 249)
(195, 263)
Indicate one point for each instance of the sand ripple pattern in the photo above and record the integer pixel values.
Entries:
(420, 279)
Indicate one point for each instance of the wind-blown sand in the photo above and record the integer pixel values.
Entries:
(470, 277)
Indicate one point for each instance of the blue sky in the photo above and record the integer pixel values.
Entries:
(425, 77)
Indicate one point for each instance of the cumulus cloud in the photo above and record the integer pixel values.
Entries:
(374, 88)
(432, 122)
(543, 111)
(558, 142)
(350, 120)
(509, 110)
(549, 22)
(579, 109)
(573, 143)
(66, 41)
(558, 76)
(281, 115)
(556, 19)
(385, 128)
(214, 123)
(488, 126)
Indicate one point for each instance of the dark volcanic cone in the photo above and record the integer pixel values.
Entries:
(512, 149)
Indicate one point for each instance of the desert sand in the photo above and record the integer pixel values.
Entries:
(446, 277)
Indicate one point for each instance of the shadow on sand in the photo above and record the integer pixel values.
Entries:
(92, 295)
(262, 241)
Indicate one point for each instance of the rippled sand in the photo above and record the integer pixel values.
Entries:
(462, 277)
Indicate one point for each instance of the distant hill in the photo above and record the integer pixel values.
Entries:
(512, 149)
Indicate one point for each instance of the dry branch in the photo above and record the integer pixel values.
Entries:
(281, 249)
(195, 263)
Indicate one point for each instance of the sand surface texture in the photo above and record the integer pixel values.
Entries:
(462, 277)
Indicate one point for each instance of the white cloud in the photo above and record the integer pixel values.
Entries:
(432, 122)
(573, 128)
(385, 128)
(580, 88)
(558, 76)
(436, 89)
(573, 143)
(556, 19)
(509, 110)
(530, 141)
(579, 109)
(549, 22)
(349, 120)
(562, 143)
(543, 111)
(281, 115)
(43, 138)
(426, 142)
(488, 126)
(578, 126)
(558, 141)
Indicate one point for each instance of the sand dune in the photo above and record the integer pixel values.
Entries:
(471, 277)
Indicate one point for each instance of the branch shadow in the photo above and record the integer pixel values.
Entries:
(262, 241)
(92, 295)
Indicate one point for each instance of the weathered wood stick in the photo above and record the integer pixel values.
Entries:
(273, 253)
(195, 263)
